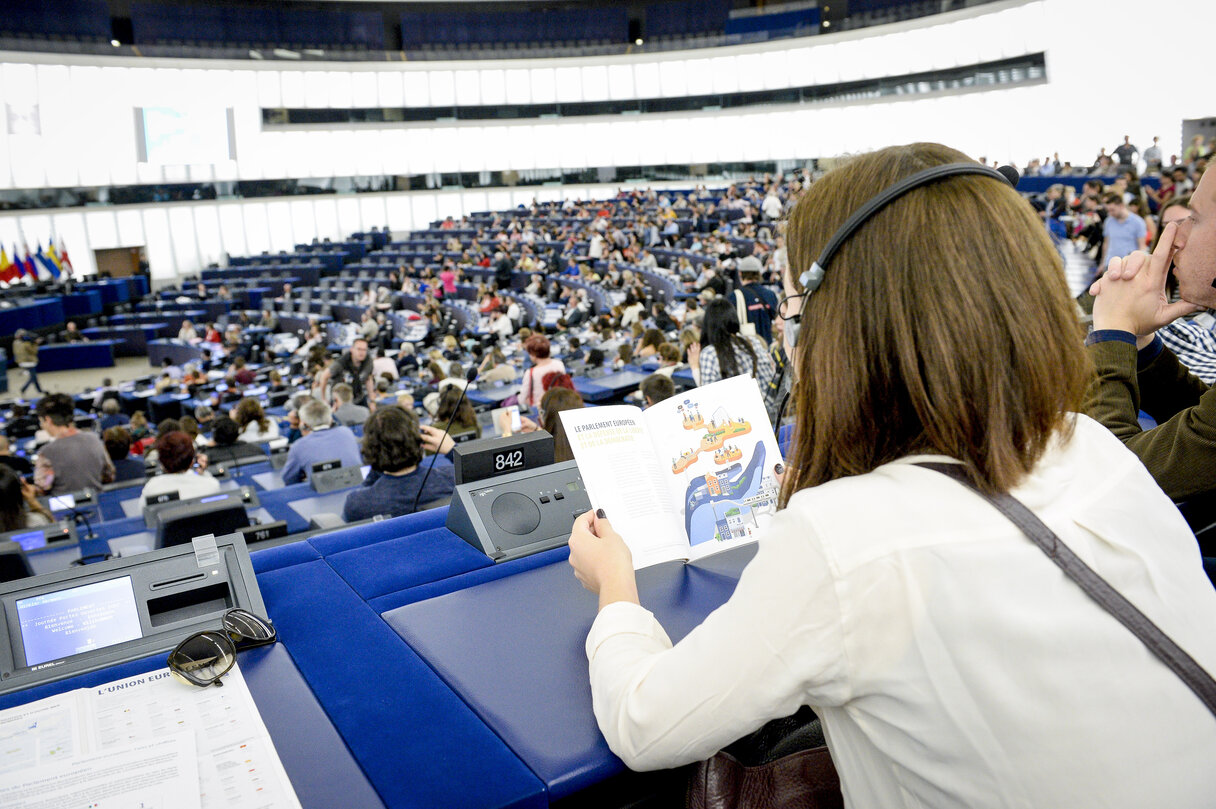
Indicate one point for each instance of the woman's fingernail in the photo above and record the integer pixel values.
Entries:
(779, 468)
(599, 512)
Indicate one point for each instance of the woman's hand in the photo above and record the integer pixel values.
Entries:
(436, 440)
(601, 560)
(694, 354)
(28, 491)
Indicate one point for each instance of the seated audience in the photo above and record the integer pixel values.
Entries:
(21, 424)
(255, 426)
(881, 591)
(72, 334)
(74, 459)
(239, 373)
(392, 446)
(320, 441)
(345, 411)
(19, 506)
(226, 445)
(187, 332)
(15, 462)
(723, 352)
(112, 415)
(118, 446)
(175, 453)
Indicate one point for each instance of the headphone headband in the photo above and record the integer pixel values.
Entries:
(813, 276)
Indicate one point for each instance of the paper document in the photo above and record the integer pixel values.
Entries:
(230, 763)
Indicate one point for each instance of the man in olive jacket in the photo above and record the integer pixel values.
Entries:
(1137, 372)
(25, 352)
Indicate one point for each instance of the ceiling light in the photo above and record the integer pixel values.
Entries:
(637, 41)
(115, 42)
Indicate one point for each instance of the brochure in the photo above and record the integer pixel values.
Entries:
(684, 479)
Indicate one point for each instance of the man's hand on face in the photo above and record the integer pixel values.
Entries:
(1131, 295)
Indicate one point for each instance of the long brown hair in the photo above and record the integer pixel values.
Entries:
(553, 402)
(943, 326)
(249, 410)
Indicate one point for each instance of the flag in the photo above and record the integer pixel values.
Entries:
(9, 272)
(52, 255)
(27, 264)
(64, 261)
(46, 267)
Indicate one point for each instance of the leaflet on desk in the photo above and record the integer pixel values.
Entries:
(716, 493)
(232, 763)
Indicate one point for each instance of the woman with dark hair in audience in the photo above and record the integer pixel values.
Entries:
(226, 444)
(648, 346)
(891, 596)
(175, 453)
(19, 506)
(662, 319)
(465, 420)
(118, 447)
(392, 446)
(255, 426)
(723, 352)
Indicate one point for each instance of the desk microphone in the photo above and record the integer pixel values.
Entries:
(470, 377)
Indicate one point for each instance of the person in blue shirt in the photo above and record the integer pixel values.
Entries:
(321, 441)
(392, 445)
(1122, 232)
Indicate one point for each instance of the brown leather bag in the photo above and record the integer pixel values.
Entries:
(784, 765)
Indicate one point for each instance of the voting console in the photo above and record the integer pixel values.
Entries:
(92, 617)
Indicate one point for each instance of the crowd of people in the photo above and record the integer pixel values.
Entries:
(885, 594)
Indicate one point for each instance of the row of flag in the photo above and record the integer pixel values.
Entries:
(36, 266)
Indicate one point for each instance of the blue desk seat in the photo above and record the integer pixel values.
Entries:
(398, 554)
(70, 356)
(417, 742)
(543, 712)
(278, 503)
(322, 770)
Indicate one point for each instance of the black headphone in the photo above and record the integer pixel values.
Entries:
(812, 277)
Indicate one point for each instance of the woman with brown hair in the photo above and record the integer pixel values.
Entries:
(255, 427)
(928, 320)
(538, 350)
(555, 400)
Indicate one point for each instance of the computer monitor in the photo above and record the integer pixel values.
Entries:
(215, 514)
(78, 619)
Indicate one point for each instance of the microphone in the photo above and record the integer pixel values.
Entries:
(470, 377)
(1011, 174)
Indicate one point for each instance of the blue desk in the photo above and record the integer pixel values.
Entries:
(69, 356)
(543, 712)
(609, 386)
(130, 341)
(82, 304)
(321, 768)
(490, 395)
(178, 351)
(34, 314)
(113, 291)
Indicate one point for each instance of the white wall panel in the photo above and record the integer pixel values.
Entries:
(749, 69)
(60, 126)
(316, 89)
(278, 221)
(498, 201)
(257, 232)
(232, 229)
(325, 215)
(673, 78)
(349, 220)
(185, 242)
(211, 247)
(544, 85)
(468, 87)
(475, 201)
(371, 212)
(130, 228)
(270, 91)
(699, 76)
(390, 88)
(417, 88)
(368, 153)
(646, 80)
(568, 82)
(443, 89)
(595, 83)
(341, 93)
(518, 86)
(424, 210)
(159, 246)
(293, 88)
(620, 82)
(102, 230)
(447, 203)
(493, 87)
(303, 221)
(400, 213)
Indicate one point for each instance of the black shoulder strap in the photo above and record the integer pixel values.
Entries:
(1096, 587)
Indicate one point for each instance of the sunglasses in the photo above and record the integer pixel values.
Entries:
(204, 657)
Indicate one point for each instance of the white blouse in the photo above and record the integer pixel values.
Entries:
(952, 663)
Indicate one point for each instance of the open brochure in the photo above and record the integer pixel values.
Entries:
(687, 478)
(146, 741)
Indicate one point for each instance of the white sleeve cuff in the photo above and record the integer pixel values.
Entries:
(625, 618)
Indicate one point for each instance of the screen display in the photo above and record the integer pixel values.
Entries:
(69, 622)
(185, 135)
(30, 541)
(213, 498)
(63, 502)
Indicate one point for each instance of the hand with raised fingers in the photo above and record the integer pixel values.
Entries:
(1131, 295)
